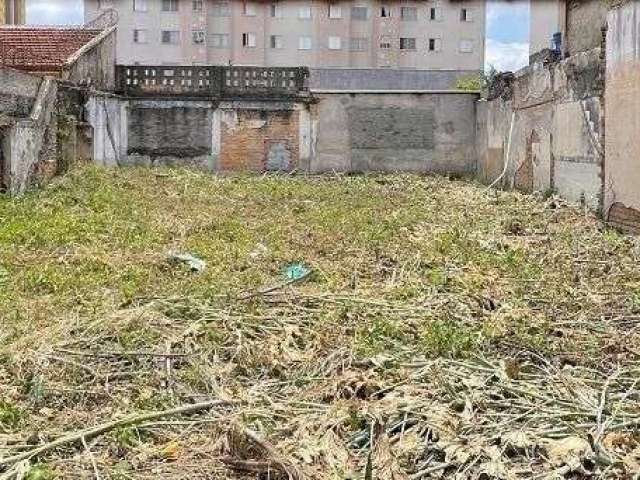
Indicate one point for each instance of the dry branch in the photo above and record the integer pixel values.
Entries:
(92, 432)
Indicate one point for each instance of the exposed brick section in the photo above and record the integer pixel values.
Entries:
(248, 136)
(41, 49)
(624, 218)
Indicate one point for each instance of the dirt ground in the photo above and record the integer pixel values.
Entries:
(171, 324)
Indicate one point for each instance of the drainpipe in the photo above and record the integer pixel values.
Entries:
(508, 157)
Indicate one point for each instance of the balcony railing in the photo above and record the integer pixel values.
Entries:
(212, 81)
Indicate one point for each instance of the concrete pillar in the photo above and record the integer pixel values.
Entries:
(216, 138)
(67, 143)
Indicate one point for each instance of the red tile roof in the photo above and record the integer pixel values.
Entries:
(41, 49)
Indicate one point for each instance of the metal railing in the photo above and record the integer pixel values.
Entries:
(211, 81)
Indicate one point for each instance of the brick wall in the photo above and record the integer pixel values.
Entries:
(624, 218)
(258, 140)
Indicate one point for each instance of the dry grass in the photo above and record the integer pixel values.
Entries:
(444, 331)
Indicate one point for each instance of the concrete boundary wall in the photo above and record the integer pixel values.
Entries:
(388, 132)
(546, 132)
(233, 135)
(93, 65)
(622, 101)
(347, 132)
(30, 147)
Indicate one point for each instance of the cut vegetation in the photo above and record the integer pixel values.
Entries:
(171, 324)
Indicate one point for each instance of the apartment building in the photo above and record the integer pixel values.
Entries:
(13, 12)
(421, 35)
(579, 24)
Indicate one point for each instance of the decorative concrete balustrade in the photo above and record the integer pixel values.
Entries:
(211, 81)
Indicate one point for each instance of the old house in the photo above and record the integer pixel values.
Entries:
(41, 117)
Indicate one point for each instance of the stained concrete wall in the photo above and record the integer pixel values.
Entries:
(30, 147)
(94, 65)
(547, 134)
(418, 132)
(243, 135)
(43, 132)
(585, 20)
(421, 132)
(18, 92)
(622, 101)
(107, 115)
(170, 133)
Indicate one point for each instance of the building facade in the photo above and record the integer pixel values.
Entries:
(547, 17)
(421, 35)
(13, 12)
(579, 23)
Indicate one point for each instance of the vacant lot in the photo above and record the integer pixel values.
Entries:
(343, 327)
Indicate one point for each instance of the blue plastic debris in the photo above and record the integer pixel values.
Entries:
(296, 271)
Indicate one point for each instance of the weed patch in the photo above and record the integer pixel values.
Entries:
(442, 329)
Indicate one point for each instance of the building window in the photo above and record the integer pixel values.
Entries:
(276, 10)
(249, 40)
(198, 5)
(171, 37)
(170, 5)
(466, 46)
(198, 37)
(140, 36)
(435, 14)
(249, 9)
(435, 44)
(139, 5)
(335, 43)
(385, 11)
(358, 44)
(304, 12)
(220, 9)
(407, 43)
(408, 13)
(359, 13)
(304, 43)
(466, 15)
(335, 11)
(219, 40)
(385, 45)
(277, 41)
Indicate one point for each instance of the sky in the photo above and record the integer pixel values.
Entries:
(507, 27)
